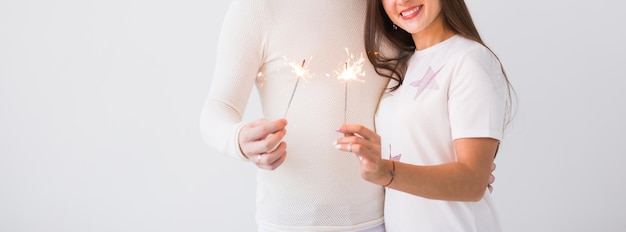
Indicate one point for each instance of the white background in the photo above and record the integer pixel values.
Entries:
(100, 102)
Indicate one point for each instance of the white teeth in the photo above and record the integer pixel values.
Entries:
(406, 13)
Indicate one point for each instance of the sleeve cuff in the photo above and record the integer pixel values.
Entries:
(238, 151)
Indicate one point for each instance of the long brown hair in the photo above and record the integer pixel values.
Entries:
(389, 48)
(379, 32)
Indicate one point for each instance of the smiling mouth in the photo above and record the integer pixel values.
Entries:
(410, 12)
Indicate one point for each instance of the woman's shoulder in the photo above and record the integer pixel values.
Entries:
(467, 58)
(465, 45)
(467, 49)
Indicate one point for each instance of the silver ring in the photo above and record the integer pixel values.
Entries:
(350, 147)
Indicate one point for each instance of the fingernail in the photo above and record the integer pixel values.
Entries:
(337, 146)
(338, 129)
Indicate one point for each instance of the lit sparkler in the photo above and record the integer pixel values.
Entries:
(352, 70)
(301, 73)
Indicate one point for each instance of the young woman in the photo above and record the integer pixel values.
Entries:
(440, 124)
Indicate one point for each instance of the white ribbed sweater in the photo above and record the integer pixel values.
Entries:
(317, 187)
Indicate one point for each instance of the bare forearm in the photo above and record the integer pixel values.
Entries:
(452, 181)
(466, 179)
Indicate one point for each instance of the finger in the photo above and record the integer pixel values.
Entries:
(276, 153)
(274, 139)
(279, 161)
(359, 147)
(260, 129)
(350, 144)
(359, 144)
(343, 146)
(345, 134)
(267, 145)
(273, 166)
(493, 167)
(352, 129)
(490, 188)
(272, 160)
(260, 121)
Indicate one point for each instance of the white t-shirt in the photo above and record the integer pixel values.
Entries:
(317, 188)
(454, 89)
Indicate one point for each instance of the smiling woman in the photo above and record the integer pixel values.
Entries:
(444, 117)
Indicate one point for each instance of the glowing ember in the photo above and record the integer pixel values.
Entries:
(352, 70)
(301, 73)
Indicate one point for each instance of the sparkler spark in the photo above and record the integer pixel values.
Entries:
(301, 73)
(352, 70)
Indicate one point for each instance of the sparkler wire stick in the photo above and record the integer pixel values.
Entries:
(345, 98)
(294, 90)
(352, 70)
